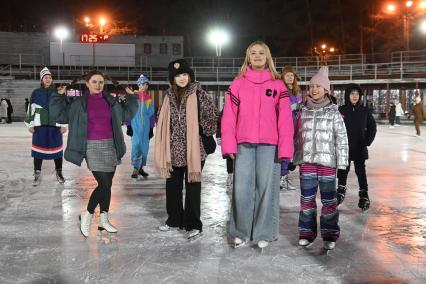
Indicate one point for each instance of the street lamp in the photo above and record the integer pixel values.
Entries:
(61, 33)
(407, 12)
(324, 53)
(218, 37)
(423, 26)
(391, 8)
(102, 23)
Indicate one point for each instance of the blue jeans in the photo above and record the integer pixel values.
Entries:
(255, 200)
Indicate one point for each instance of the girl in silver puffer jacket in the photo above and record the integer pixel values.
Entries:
(321, 146)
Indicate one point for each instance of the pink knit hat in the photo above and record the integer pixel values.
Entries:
(321, 79)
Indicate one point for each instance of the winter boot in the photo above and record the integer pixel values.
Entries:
(104, 224)
(364, 200)
(59, 176)
(341, 193)
(85, 219)
(37, 178)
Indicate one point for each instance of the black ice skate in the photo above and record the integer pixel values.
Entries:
(144, 174)
(37, 178)
(364, 200)
(135, 174)
(59, 176)
(341, 193)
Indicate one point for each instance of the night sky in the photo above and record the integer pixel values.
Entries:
(290, 28)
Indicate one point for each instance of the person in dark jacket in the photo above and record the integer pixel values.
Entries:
(9, 111)
(27, 102)
(95, 134)
(47, 140)
(392, 115)
(419, 115)
(361, 130)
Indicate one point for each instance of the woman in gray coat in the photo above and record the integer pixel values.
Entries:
(95, 134)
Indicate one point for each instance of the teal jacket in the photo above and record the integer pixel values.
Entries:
(74, 113)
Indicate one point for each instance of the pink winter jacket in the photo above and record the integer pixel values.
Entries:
(257, 110)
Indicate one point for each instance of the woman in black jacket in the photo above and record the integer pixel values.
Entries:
(361, 130)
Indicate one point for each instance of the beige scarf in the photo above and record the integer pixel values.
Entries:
(162, 157)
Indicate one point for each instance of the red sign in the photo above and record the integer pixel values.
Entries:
(93, 38)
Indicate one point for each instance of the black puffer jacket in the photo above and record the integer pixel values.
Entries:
(360, 125)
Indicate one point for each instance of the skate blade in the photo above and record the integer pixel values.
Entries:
(195, 238)
(103, 230)
(240, 245)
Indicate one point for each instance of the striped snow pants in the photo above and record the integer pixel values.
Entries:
(312, 176)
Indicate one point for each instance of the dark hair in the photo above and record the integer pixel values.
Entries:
(93, 73)
(86, 77)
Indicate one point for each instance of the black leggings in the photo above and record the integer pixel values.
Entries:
(39, 162)
(102, 193)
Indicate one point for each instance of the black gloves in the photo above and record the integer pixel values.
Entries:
(291, 166)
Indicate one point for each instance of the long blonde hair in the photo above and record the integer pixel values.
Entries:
(269, 62)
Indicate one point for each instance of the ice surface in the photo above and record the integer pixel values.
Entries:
(40, 241)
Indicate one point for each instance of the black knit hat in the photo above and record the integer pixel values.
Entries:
(179, 66)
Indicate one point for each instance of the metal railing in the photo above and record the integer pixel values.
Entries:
(341, 72)
(400, 65)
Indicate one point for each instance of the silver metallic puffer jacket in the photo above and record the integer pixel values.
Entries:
(320, 137)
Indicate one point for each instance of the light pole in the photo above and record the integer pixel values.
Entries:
(102, 23)
(61, 33)
(218, 37)
(407, 13)
(91, 27)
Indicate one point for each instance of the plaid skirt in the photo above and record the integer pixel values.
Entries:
(101, 155)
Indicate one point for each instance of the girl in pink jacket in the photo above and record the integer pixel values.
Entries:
(257, 131)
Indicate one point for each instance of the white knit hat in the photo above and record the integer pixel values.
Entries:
(44, 72)
(321, 78)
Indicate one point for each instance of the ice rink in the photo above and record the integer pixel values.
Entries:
(40, 240)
